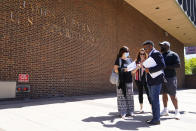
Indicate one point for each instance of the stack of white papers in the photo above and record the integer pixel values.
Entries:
(150, 62)
(131, 66)
(155, 74)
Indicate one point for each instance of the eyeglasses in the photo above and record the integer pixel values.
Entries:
(145, 48)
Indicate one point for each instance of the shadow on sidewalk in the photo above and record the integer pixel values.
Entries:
(113, 120)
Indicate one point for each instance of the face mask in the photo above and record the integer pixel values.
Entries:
(163, 49)
(126, 54)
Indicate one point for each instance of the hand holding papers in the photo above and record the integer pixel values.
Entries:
(155, 74)
(150, 62)
(131, 66)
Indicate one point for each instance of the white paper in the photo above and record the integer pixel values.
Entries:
(131, 66)
(155, 74)
(150, 62)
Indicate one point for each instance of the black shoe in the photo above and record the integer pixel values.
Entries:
(153, 123)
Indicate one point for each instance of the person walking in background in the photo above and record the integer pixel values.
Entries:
(140, 77)
(125, 88)
(154, 83)
(172, 62)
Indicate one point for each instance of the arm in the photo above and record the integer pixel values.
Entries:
(160, 62)
(173, 66)
(116, 68)
(135, 70)
(116, 65)
(176, 62)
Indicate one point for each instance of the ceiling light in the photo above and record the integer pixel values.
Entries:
(157, 8)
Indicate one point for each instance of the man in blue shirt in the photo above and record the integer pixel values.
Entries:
(154, 84)
(172, 62)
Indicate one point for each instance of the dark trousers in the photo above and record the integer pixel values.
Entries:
(141, 86)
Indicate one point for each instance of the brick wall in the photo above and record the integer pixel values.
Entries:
(190, 81)
(68, 47)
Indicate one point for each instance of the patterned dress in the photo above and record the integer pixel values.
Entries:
(125, 100)
(125, 104)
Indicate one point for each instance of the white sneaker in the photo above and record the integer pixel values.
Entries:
(123, 116)
(164, 113)
(177, 116)
(141, 111)
(132, 114)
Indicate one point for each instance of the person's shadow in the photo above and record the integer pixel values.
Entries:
(113, 120)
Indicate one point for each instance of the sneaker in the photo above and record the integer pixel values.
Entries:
(141, 111)
(164, 113)
(123, 116)
(177, 116)
(132, 114)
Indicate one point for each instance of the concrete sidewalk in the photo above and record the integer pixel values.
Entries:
(91, 113)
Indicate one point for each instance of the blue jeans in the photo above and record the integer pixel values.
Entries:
(154, 92)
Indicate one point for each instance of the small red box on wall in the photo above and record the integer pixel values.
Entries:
(23, 78)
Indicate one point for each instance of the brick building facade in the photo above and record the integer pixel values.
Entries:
(68, 47)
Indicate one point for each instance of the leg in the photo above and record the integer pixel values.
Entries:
(173, 88)
(140, 91)
(130, 99)
(174, 101)
(165, 99)
(121, 102)
(140, 94)
(172, 91)
(165, 91)
(147, 93)
(155, 91)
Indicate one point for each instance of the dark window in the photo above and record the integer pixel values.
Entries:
(180, 2)
(192, 10)
(184, 5)
(189, 7)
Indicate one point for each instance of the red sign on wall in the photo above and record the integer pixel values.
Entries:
(23, 78)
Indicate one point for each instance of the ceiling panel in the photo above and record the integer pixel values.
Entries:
(169, 16)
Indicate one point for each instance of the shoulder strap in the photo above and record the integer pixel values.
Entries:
(120, 62)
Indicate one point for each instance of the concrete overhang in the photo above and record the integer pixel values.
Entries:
(168, 15)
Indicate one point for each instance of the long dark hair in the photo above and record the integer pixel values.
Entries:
(138, 58)
(123, 50)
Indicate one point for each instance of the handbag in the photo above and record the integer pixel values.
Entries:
(114, 77)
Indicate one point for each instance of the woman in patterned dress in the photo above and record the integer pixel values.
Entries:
(125, 87)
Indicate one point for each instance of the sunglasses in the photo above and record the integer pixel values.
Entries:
(142, 54)
(145, 48)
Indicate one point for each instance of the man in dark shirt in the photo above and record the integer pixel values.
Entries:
(172, 61)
